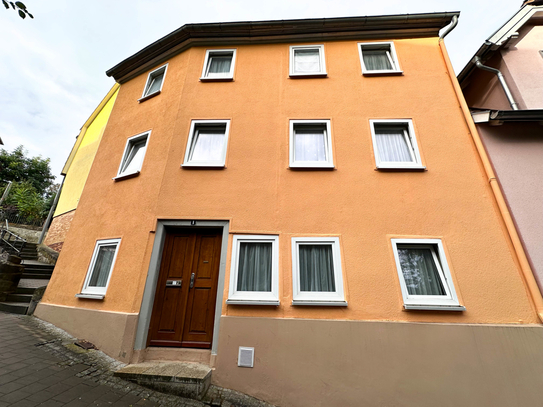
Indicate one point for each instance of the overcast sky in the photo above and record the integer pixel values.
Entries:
(52, 68)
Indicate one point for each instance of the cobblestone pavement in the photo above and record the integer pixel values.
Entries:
(40, 366)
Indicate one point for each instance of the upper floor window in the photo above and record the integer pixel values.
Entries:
(154, 83)
(307, 60)
(395, 145)
(378, 58)
(219, 64)
(134, 152)
(207, 143)
(310, 144)
(425, 278)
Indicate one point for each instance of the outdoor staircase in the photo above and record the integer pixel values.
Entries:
(36, 274)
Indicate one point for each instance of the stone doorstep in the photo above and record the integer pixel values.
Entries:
(185, 379)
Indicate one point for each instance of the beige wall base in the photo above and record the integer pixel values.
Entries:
(354, 363)
(112, 332)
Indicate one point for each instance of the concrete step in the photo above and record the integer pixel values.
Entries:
(14, 307)
(34, 270)
(21, 298)
(191, 380)
(25, 290)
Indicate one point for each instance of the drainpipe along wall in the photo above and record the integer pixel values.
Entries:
(527, 273)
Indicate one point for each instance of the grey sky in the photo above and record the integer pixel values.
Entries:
(52, 68)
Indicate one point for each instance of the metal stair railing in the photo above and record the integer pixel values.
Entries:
(10, 241)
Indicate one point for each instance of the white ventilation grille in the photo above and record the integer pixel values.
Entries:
(246, 357)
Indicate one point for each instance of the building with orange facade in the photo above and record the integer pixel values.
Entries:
(306, 199)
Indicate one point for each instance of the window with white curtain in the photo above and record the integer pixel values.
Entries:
(395, 144)
(254, 273)
(378, 58)
(134, 152)
(307, 60)
(219, 64)
(99, 272)
(207, 143)
(425, 278)
(310, 144)
(316, 271)
(154, 83)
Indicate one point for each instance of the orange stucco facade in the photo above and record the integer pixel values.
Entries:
(259, 194)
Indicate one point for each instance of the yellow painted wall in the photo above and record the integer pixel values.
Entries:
(78, 171)
(258, 193)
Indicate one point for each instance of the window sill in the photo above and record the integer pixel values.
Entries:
(203, 165)
(295, 166)
(91, 296)
(152, 95)
(320, 303)
(125, 176)
(428, 307)
(382, 73)
(397, 168)
(308, 75)
(225, 79)
(252, 302)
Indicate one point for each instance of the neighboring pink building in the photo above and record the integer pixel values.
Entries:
(508, 113)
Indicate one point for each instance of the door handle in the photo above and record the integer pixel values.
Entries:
(191, 280)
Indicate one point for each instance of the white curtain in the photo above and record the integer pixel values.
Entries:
(155, 84)
(310, 145)
(420, 272)
(307, 61)
(219, 64)
(393, 145)
(376, 60)
(102, 266)
(135, 155)
(316, 268)
(207, 145)
(255, 267)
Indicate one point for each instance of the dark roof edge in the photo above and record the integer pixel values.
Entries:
(276, 31)
(517, 115)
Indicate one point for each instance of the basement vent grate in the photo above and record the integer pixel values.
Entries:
(246, 356)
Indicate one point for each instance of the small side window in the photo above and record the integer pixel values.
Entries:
(99, 272)
(154, 83)
(307, 60)
(378, 58)
(207, 143)
(310, 144)
(254, 275)
(219, 64)
(425, 279)
(134, 152)
(395, 145)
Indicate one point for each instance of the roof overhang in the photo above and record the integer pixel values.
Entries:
(498, 117)
(280, 31)
(501, 37)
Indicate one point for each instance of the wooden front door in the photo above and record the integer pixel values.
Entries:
(184, 307)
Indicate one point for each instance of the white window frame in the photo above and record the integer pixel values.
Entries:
(227, 75)
(129, 141)
(144, 95)
(254, 297)
(99, 292)
(299, 297)
(216, 163)
(329, 163)
(448, 302)
(321, 73)
(392, 56)
(411, 140)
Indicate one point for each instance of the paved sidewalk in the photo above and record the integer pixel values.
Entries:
(40, 366)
